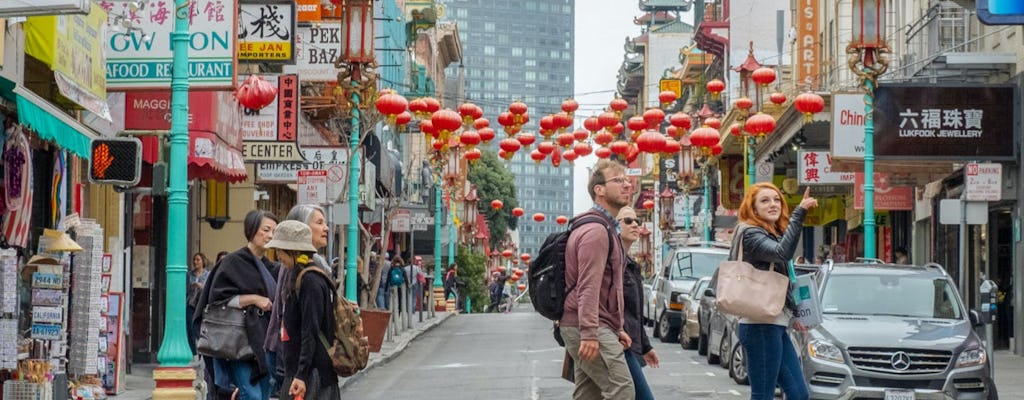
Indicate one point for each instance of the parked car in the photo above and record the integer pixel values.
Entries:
(691, 329)
(717, 335)
(895, 332)
(684, 266)
(648, 317)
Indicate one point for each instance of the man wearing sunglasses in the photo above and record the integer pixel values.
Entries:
(592, 323)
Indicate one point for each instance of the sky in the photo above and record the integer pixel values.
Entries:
(601, 30)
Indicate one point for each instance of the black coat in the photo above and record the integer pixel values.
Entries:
(765, 251)
(309, 313)
(238, 274)
(633, 300)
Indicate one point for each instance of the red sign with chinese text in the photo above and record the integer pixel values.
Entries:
(887, 197)
(287, 107)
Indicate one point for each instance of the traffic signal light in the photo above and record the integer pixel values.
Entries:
(116, 161)
(1001, 12)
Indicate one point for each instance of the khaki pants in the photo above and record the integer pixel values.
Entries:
(607, 376)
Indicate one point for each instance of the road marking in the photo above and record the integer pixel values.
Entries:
(734, 391)
(710, 373)
(541, 350)
(534, 390)
(678, 374)
(447, 366)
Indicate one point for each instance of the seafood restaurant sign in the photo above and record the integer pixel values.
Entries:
(945, 122)
(141, 58)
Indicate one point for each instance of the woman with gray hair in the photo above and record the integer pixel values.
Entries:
(314, 217)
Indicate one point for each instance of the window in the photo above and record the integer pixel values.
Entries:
(531, 76)
(462, 13)
(488, 27)
(531, 52)
(489, 50)
(503, 74)
(517, 52)
(531, 63)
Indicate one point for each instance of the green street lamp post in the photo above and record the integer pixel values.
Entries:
(866, 58)
(174, 354)
(438, 268)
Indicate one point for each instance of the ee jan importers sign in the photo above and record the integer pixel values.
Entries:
(945, 122)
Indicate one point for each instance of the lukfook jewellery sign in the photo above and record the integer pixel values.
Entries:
(930, 122)
(141, 55)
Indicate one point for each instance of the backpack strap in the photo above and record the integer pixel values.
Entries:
(298, 286)
(589, 219)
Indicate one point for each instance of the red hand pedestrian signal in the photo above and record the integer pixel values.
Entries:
(116, 161)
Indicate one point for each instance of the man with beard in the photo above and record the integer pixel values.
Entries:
(592, 323)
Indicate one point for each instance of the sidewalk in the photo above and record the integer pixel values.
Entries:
(139, 384)
(1009, 370)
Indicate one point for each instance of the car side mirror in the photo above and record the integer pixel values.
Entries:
(664, 273)
(975, 318)
(709, 292)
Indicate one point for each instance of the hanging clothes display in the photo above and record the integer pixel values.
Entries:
(17, 160)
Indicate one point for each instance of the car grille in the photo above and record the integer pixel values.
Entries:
(891, 360)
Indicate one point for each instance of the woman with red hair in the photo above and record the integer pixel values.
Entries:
(769, 236)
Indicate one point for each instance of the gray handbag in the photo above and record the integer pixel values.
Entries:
(222, 334)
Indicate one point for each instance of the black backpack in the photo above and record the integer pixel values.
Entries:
(546, 277)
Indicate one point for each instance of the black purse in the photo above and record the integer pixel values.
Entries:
(222, 334)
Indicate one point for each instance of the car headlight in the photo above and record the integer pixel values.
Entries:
(676, 301)
(823, 350)
(971, 357)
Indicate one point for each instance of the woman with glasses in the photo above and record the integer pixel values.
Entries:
(640, 351)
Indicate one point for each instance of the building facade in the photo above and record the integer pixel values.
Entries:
(520, 51)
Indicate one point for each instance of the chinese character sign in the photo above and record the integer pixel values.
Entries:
(815, 168)
(141, 57)
(944, 123)
(266, 31)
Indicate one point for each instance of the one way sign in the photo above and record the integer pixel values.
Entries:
(421, 219)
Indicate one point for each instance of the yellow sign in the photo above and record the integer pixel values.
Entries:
(72, 45)
(673, 85)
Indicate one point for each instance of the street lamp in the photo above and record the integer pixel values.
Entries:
(866, 58)
(357, 77)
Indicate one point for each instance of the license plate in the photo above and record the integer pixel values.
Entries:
(892, 394)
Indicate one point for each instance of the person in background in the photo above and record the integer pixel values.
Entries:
(900, 256)
(220, 256)
(313, 217)
(800, 260)
(385, 285)
(414, 279)
(769, 237)
(592, 323)
(640, 352)
(452, 282)
(197, 276)
(398, 263)
(496, 290)
(245, 279)
(307, 317)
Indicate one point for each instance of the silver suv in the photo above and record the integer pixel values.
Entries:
(684, 265)
(893, 332)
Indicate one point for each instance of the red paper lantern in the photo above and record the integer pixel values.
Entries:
(632, 153)
(390, 104)
(517, 212)
(650, 141)
(570, 155)
(517, 108)
(446, 121)
(704, 137)
(403, 119)
(735, 130)
(432, 105)
(486, 134)
(582, 149)
(505, 119)
(607, 119)
(565, 139)
(716, 149)
(671, 146)
(521, 287)
(636, 124)
(481, 123)
(617, 129)
(526, 138)
(510, 145)
(255, 93)
(561, 219)
(603, 138)
(546, 147)
(681, 121)
(537, 156)
(469, 138)
(619, 147)
(809, 104)
(563, 121)
(547, 125)
(713, 122)
(525, 257)
(654, 117)
(618, 105)
(570, 106)
(580, 135)
(539, 217)
(592, 124)
(674, 132)
(507, 253)
(759, 124)
(472, 155)
(427, 128)
(666, 97)
(556, 157)
(497, 204)
(744, 103)
(502, 268)
(764, 76)
(603, 152)
(648, 204)
(468, 112)
(777, 98)
(418, 108)
(715, 86)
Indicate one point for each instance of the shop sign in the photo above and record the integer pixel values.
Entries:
(47, 281)
(72, 45)
(142, 58)
(279, 119)
(316, 158)
(266, 31)
(815, 168)
(253, 151)
(288, 107)
(208, 111)
(887, 197)
(312, 186)
(47, 314)
(984, 181)
(401, 221)
(848, 120)
(46, 332)
(46, 297)
(808, 49)
(316, 10)
(945, 122)
(671, 85)
(316, 48)
(732, 181)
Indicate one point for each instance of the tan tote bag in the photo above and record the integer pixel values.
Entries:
(748, 292)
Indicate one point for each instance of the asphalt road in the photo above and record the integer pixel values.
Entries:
(513, 356)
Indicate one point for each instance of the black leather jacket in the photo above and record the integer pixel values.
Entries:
(766, 251)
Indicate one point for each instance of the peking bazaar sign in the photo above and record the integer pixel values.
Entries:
(887, 196)
(928, 122)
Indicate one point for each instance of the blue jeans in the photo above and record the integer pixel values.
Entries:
(238, 372)
(771, 361)
(643, 390)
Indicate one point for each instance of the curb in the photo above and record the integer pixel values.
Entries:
(402, 345)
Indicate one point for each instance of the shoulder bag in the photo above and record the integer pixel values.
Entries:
(222, 334)
(748, 292)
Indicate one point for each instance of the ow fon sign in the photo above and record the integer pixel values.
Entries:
(945, 122)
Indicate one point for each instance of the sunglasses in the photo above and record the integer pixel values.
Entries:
(630, 221)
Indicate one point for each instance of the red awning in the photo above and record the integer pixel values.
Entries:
(210, 158)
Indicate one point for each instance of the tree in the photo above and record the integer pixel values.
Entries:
(473, 270)
(494, 181)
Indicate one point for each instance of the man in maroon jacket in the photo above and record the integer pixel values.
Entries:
(592, 323)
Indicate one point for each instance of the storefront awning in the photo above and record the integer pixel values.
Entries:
(53, 124)
(208, 157)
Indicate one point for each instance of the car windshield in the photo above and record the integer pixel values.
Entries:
(912, 296)
(691, 265)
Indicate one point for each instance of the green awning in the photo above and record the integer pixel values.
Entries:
(53, 124)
